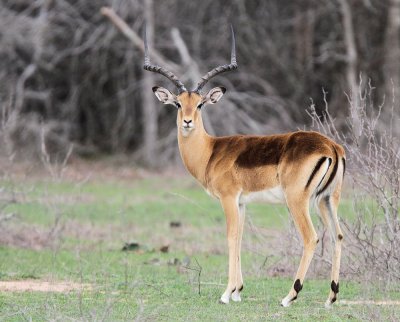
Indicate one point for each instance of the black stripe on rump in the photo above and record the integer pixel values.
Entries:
(316, 168)
(344, 166)
(332, 176)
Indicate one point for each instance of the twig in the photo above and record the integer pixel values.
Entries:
(198, 270)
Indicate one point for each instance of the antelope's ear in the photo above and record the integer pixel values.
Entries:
(214, 95)
(164, 95)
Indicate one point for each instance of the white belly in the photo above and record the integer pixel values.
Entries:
(274, 195)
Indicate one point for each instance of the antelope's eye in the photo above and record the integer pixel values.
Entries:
(178, 105)
(200, 105)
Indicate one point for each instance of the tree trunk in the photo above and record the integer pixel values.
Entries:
(391, 67)
(352, 59)
(150, 126)
(304, 35)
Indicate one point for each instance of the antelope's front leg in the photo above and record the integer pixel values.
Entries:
(239, 279)
(230, 206)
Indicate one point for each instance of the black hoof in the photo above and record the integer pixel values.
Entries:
(335, 287)
(297, 286)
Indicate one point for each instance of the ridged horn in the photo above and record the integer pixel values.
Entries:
(157, 69)
(220, 69)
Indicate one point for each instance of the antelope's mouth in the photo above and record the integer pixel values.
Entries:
(186, 130)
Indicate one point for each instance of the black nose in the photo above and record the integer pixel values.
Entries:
(187, 122)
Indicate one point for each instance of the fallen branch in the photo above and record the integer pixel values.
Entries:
(135, 38)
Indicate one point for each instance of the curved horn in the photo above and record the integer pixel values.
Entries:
(157, 69)
(220, 69)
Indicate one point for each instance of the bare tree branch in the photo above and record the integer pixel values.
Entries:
(135, 39)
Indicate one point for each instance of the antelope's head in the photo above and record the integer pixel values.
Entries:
(189, 103)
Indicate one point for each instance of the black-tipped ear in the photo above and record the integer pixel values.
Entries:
(214, 95)
(164, 95)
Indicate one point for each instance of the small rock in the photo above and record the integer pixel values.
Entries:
(132, 246)
(164, 249)
(186, 261)
(174, 262)
(175, 224)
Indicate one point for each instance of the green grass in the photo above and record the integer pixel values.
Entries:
(100, 216)
(142, 201)
(125, 285)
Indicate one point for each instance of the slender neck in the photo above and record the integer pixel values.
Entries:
(195, 150)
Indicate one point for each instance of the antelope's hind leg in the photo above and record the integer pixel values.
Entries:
(328, 207)
(298, 204)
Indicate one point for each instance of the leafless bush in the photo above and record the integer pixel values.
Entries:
(26, 136)
(373, 155)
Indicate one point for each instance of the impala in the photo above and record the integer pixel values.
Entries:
(296, 168)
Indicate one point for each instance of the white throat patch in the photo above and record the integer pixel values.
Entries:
(186, 131)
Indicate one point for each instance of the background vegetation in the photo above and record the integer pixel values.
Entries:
(69, 76)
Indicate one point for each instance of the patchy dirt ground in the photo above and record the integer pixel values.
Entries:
(369, 302)
(42, 286)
